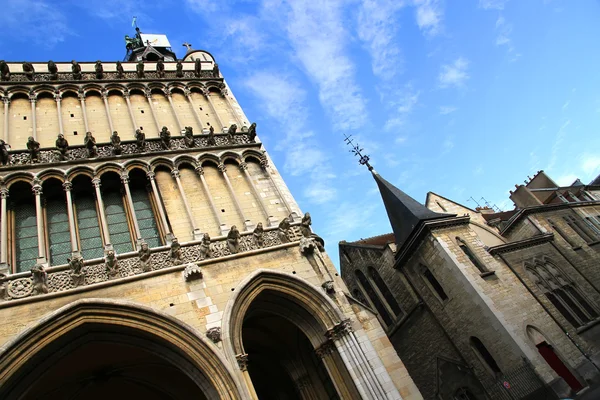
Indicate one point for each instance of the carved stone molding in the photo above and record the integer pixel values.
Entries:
(325, 349)
(328, 286)
(214, 334)
(108, 76)
(192, 272)
(67, 186)
(340, 330)
(242, 360)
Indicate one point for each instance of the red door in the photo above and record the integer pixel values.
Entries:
(558, 366)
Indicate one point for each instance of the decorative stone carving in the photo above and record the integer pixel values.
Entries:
(36, 188)
(328, 286)
(305, 225)
(242, 360)
(283, 230)
(111, 264)
(115, 141)
(40, 279)
(214, 334)
(179, 69)
(53, 69)
(99, 69)
(140, 140)
(62, 146)
(211, 137)
(215, 71)
(120, 70)
(4, 156)
(307, 246)
(19, 288)
(258, 235)
(231, 133)
(340, 330)
(139, 69)
(4, 71)
(264, 161)
(90, 145)
(29, 70)
(192, 272)
(188, 137)
(252, 132)
(76, 266)
(144, 255)
(233, 240)
(160, 68)
(3, 293)
(325, 349)
(205, 249)
(175, 252)
(76, 70)
(34, 149)
(165, 138)
(197, 67)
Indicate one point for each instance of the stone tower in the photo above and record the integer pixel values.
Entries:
(148, 245)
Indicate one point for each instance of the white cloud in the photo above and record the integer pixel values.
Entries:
(492, 4)
(591, 165)
(445, 110)
(378, 27)
(403, 106)
(206, 6)
(428, 14)
(566, 180)
(351, 217)
(454, 74)
(38, 21)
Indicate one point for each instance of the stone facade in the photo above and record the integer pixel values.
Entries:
(499, 296)
(162, 270)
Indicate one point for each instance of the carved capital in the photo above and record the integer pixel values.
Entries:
(175, 173)
(6, 100)
(96, 182)
(32, 97)
(325, 349)
(214, 334)
(222, 168)
(148, 93)
(104, 94)
(126, 94)
(67, 186)
(187, 92)
(37, 187)
(57, 96)
(151, 175)
(81, 95)
(340, 330)
(243, 166)
(242, 360)
(3, 192)
(205, 92)
(124, 177)
(199, 170)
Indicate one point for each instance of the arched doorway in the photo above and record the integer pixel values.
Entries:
(95, 349)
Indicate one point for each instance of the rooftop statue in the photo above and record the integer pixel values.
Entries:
(76, 70)
(90, 144)
(29, 70)
(120, 70)
(99, 69)
(179, 73)
(34, 149)
(188, 137)
(165, 138)
(53, 69)
(61, 147)
(4, 157)
(4, 71)
(139, 68)
(160, 68)
(115, 141)
(140, 139)
(252, 132)
(197, 67)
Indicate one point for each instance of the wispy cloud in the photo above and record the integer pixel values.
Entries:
(504, 38)
(445, 110)
(590, 165)
(428, 14)
(557, 146)
(492, 4)
(39, 21)
(403, 107)
(454, 74)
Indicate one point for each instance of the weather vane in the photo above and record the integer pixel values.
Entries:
(363, 159)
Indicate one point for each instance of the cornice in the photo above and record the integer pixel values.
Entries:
(521, 244)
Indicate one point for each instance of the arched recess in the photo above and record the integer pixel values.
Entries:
(120, 114)
(46, 114)
(164, 112)
(174, 205)
(142, 113)
(266, 187)
(268, 302)
(72, 118)
(20, 125)
(198, 200)
(184, 110)
(221, 196)
(204, 109)
(97, 118)
(173, 361)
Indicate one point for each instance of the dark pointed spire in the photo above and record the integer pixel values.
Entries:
(404, 212)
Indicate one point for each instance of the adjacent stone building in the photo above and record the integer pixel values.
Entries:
(150, 248)
(482, 304)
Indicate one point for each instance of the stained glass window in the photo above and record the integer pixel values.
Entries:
(116, 220)
(59, 237)
(26, 243)
(145, 216)
(88, 227)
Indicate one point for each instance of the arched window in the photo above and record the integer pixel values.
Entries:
(24, 240)
(471, 255)
(562, 293)
(375, 300)
(484, 355)
(57, 223)
(116, 217)
(433, 284)
(385, 291)
(143, 208)
(86, 218)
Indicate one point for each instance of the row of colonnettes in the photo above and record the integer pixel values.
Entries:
(89, 142)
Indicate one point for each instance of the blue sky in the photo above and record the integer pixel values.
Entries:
(463, 98)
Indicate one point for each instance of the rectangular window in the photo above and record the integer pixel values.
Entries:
(594, 226)
(435, 285)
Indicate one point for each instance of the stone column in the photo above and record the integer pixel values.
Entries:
(58, 98)
(200, 172)
(149, 97)
(4, 227)
(131, 114)
(105, 99)
(105, 234)
(37, 191)
(237, 118)
(6, 101)
(247, 224)
(188, 95)
(271, 221)
(136, 226)
(196, 234)
(67, 186)
(206, 93)
(163, 217)
(174, 111)
(81, 96)
(33, 100)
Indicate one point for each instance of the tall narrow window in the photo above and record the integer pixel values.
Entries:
(375, 300)
(143, 209)
(593, 224)
(562, 234)
(25, 239)
(579, 228)
(86, 215)
(434, 284)
(116, 218)
(441, 206)
(485, 356)
(385, 291)
(469, 253)
(57, 223)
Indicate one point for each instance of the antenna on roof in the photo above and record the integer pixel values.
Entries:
(363, 159)
(492, 206)
(473, 200)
